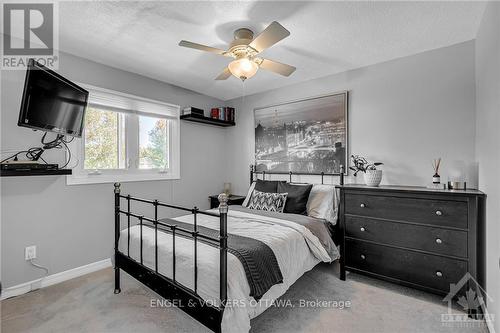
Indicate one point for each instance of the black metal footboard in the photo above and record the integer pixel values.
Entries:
(185, 298)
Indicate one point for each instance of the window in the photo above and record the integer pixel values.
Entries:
(126, 138)
(104, 139)
(153, 143)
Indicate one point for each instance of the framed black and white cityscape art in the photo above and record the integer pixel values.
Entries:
(304, 136)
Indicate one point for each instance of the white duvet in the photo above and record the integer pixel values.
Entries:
(295, 247)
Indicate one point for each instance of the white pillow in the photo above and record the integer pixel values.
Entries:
(323, 203)
(249, 195)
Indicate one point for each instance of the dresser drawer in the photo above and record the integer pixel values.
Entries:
(417, 210)
(421, 269)
(437, 240)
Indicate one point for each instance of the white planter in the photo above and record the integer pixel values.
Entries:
(373, 177)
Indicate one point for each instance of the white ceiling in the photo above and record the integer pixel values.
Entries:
(326, 37)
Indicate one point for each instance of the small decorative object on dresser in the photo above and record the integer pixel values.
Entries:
(414, 236)
(436, 179)
(457, 185)
(457, 175)
(232, 200)
(373, 177)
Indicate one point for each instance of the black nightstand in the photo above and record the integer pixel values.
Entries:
(233, 200)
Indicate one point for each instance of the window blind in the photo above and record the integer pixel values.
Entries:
(124, 103)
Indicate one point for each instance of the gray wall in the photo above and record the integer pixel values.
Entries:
(488, 142)
(73, 225)
(403, 112)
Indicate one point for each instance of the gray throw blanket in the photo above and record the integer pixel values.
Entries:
(318, 227)
(258, 260)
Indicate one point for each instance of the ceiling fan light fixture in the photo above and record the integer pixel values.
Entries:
(245, 48)
(243, 68)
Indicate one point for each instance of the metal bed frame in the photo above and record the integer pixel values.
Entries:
(170, 289)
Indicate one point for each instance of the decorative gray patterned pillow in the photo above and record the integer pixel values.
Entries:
(273, 202)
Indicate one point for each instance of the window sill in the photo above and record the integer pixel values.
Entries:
(104, 179)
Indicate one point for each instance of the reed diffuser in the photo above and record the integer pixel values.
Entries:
(436, 179)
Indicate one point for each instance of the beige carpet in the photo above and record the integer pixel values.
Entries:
(87, 304)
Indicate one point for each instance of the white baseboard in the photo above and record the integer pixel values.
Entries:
(50, 280)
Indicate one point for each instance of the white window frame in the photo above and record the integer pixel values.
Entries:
(132, 106)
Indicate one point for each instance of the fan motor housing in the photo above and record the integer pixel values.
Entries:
(239, 46)
(243, 33)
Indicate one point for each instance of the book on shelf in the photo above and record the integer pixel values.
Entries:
(223, 113)
(193, 111)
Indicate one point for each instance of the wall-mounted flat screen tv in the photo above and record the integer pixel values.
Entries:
(51, 102)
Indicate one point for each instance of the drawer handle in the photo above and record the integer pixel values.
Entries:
(362, 229)
(362, 205)
(363, 257)
(439, 213)
(439, 273)
(439, 241)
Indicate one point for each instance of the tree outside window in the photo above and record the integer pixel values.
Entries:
(153, 143)
(104, 148)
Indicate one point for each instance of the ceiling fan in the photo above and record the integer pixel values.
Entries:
(245, 48)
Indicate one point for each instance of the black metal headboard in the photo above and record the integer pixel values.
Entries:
(254, 173)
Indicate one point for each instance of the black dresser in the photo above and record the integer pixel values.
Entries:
(413, 236)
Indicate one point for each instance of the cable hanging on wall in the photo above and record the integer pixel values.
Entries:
(34, 154)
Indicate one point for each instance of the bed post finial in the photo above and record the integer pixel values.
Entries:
(117, 188)
(223, 208)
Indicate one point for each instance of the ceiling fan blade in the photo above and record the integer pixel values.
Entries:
(277, 67)
(224, 75)
(270, 36)
(201, 47)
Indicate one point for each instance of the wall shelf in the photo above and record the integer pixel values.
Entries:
(17, 173)
(207, 120)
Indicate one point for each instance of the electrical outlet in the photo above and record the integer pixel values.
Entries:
(30, 252)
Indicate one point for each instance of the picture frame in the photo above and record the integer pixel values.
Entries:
(308, 136)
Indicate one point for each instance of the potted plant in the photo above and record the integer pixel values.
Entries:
(373, 176)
